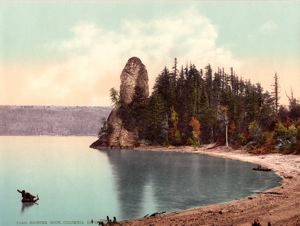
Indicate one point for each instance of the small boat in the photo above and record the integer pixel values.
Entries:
(260, 168)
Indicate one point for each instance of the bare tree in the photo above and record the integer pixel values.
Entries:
(223, 111)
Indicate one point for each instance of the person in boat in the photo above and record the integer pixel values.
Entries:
(27, 197)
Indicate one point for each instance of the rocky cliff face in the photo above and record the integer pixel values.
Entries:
(134, 76)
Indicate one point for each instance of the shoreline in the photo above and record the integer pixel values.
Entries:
(279, 205)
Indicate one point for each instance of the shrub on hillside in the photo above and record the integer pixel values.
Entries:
(256, 137)
(286, 137)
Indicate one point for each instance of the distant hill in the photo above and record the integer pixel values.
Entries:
(51, 120)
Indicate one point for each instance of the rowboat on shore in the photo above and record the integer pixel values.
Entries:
(260, 168)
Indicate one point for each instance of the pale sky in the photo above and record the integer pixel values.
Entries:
(72, 52)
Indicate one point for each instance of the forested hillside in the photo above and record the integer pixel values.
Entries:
(51, 120)
(193, 106)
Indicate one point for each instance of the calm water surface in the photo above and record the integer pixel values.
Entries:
(76, 183)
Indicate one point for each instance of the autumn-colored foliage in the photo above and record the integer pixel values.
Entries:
(232, 127)
(195, 124)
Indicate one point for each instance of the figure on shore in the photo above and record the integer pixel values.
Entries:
(256, 223)
(27, 197)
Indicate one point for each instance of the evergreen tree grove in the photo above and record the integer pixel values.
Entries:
(181, 95)
(193, 107)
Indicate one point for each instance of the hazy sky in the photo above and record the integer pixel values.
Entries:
(72, 52)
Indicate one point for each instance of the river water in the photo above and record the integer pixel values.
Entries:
(76, 184)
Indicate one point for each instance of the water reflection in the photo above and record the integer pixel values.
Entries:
(178, 181)
(26, 206)
(130, 188)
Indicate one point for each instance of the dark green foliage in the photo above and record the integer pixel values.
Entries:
(104, 129)
(287, 130)
(294, 109)
(283, 113)
(133, 115)
(256, 134)
(156, 120)
(181, 95)
(114, 96)
(174, 133)
(200, 94)
(286, 137)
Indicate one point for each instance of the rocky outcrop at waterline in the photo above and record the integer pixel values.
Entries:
(134, 78)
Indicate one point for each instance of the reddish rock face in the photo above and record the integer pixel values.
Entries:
(134, 75)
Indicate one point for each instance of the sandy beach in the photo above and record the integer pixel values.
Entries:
(279, 206)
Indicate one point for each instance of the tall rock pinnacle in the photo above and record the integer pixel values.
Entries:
(134, 76)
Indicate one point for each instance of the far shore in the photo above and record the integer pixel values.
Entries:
(279, 205)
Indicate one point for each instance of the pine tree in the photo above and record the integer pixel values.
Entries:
(294, 107)
(114, 96)
(137, 110)
(165, 86)
(275, 93)
(208, 82)
(155, 119)
(175, 70)
(174, 133)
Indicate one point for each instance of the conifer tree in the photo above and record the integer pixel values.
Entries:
(155, 119)
(175, 70)
(208, 81)
(275, 93)
(114, 96)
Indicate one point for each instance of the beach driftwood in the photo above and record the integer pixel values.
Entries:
(156, 214)
(27, 197)
(269, 193)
